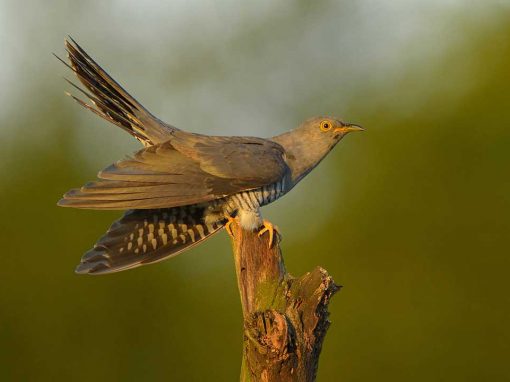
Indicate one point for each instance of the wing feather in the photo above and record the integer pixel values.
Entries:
(187, 170)
(110, 101)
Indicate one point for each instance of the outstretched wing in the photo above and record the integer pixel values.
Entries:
(189, 169)
(111, 101)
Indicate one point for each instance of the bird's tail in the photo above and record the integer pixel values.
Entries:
(111, 101)
(147, 236)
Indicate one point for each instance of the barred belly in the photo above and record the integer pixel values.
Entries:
(247, 203)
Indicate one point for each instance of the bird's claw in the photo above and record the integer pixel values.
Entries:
(228, 226)
(267, 226)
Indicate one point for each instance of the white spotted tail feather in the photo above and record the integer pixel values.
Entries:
(147, 236)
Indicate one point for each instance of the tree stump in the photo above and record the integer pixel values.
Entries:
(285, 318)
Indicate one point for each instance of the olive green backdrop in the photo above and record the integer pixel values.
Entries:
(411, 217)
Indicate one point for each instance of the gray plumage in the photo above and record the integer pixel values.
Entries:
(183, 187)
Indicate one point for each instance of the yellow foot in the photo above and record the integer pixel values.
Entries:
(228, 225)
(267, 226)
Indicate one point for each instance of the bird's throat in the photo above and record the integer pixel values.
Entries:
(302, 156)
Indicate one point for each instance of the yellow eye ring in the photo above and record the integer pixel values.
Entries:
(326, 126)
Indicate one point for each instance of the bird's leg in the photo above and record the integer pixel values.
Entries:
(267, 226)
(228, 225)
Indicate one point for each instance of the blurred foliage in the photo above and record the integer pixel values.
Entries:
(412, 217)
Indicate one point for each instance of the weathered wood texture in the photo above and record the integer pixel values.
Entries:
(285, 318)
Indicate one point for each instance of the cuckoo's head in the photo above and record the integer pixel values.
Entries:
(317, 136)
(325, 132)
(309, 143)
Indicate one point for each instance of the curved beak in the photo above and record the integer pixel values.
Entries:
(348, 128)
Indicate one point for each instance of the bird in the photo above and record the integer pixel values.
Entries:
(181, 187)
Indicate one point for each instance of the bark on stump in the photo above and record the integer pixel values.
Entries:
(285, 318)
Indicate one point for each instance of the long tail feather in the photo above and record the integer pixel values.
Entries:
(147, 236)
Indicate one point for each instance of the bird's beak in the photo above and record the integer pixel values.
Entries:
(348, 128)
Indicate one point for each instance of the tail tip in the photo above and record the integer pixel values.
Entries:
(93, 268)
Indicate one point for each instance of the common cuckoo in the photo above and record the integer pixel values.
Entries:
(183, 187)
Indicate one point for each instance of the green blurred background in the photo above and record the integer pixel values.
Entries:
(412, 216)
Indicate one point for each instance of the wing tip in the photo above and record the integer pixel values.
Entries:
(63, 202)
(69, 201)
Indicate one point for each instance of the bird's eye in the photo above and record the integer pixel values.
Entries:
(325, 125)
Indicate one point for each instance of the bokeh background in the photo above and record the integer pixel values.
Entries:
(411, 217)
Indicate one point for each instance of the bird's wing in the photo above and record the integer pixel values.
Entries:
(250, 162)
(111, 102)
(183, 172)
